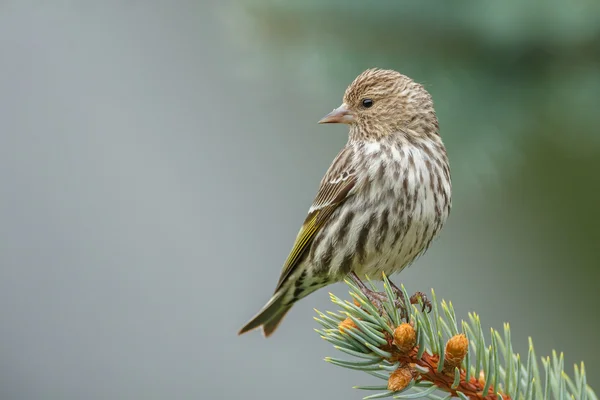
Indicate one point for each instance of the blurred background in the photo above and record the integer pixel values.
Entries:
(157, 160)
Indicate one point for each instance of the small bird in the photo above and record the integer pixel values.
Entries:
(383, 200)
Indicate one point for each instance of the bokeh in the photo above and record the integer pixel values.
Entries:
(157, 159)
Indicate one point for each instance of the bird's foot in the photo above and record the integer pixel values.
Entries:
(378, 298)
(414, 299)
(375, 298)
(420, 297)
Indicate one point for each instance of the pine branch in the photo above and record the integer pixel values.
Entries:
(432, 353)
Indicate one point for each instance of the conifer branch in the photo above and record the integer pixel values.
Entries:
(431, 353)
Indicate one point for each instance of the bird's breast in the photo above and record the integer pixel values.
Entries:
(401, 201)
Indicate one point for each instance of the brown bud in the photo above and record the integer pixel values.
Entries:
(346, 324)
(405, 337)
(356, 302)
(399, 379)
(456, 350)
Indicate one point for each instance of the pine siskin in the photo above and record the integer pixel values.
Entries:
(383, 200)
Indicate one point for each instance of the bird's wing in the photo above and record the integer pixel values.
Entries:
(335, 187)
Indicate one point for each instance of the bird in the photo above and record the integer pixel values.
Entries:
(382, 201)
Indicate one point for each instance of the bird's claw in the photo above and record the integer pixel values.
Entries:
(375, 298)
(378, 299)
(420, 297)
(414, 299)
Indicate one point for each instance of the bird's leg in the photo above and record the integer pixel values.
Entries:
(414, 299)
(398, 292)
(378, 298)
(401, 301)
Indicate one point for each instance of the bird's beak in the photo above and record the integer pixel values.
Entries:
(341, 115)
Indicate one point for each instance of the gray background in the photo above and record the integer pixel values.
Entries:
(156, 160)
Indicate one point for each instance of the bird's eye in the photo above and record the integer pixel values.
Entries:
(367, 103)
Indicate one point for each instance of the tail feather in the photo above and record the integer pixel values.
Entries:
(268, 317)
(277, 307)
(273, 323)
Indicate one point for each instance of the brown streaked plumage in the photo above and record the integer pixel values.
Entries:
(383, 200)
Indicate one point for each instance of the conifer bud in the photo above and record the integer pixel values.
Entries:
(405, 337)
(456, 350)
(399, 379)
(346, 324)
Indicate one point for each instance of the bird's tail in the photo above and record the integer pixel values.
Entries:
(269, 316)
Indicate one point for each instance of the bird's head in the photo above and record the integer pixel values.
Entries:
(382, 102)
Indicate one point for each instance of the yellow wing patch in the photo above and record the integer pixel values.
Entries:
(336, 193)
(304, 237)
